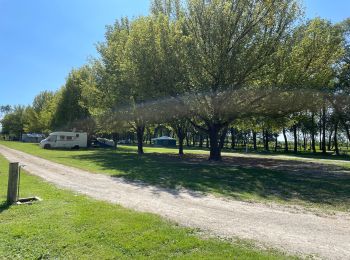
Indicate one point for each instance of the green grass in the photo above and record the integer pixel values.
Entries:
(329, 158)
(326, 192)
(69, 226)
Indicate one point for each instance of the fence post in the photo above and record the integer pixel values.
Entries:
(12, 183)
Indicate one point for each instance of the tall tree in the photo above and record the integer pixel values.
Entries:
(13, 122)
(70, 110)
(341, 99)
(229, 42)
(139, 64)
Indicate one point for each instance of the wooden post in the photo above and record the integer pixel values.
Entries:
(13, 183)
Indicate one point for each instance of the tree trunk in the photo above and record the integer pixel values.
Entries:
(336, 147)
(295, 139)
(342, 120)
(155, 133)
(139, 132)
(320, 130)
(180, 131)
(181, 145)
(132, 138)
(347, 132)
(254, 141)
(267, 140)
(313, 142)
(233, 139)
(207, 141)
(263, 137)
(276, 143)
(150, 136)
(330, 140)
(200, 140)
(181, 135)
(324, 148)
(215, 151)
(226, 141)
(286, 149)
(223, 138)
(187, 140)
(345, 125)
(115, 138)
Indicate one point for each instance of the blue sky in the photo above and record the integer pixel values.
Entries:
(41, 40)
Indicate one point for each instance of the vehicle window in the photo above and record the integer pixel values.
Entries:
(69, 138)
(77, 135)
(62, 137)
(52, 138)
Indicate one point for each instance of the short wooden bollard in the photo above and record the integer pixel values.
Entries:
(13, 183)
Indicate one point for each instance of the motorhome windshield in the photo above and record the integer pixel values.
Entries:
(52, 138)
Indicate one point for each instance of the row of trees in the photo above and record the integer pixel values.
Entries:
(217, 70)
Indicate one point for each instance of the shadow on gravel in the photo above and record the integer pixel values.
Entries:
(240, 178)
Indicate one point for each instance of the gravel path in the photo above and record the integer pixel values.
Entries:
(291, 230)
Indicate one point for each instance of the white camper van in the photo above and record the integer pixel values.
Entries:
(73, 140)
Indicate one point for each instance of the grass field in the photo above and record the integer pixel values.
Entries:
(239, 180)
(69, 226)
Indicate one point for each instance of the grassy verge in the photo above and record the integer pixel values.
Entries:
(323, 191)
(69, 226)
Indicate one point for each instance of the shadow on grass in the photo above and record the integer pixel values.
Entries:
(228, 151)
(4, 206)
(309, 155)
(232, 179)
(300, 154)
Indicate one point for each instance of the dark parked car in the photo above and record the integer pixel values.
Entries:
(102, 143)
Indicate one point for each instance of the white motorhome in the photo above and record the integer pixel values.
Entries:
(70, 140)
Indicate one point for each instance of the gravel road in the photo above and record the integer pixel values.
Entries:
(295, 231)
